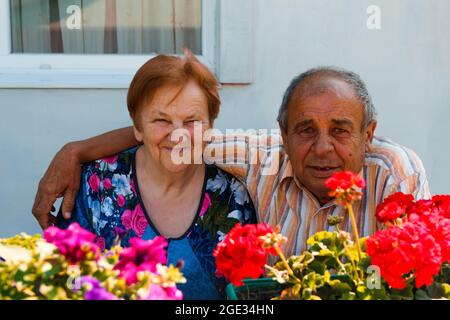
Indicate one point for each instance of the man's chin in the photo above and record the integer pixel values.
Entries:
(317, 189)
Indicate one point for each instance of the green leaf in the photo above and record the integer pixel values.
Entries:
(404, 294)
(421, 295)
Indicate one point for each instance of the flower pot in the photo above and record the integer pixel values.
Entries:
(255, 289)
(264, 288)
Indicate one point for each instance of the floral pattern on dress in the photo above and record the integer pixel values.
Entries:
(109, 205)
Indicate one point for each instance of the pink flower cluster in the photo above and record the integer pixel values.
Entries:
(142, 255)
(75, 243)
(161, 293)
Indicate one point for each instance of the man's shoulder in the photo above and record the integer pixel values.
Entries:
(400, 161)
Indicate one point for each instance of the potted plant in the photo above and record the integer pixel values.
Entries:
(406, 259)
(68, 264)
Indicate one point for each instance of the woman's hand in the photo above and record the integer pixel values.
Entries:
(62, 179)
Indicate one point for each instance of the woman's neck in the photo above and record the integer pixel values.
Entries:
(151, 170)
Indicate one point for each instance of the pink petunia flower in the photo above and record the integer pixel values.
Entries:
(101, 243)
(75, 243)
(157, 292)
(142, 255)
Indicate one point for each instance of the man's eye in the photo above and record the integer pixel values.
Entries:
(307, 130)
(340, 131)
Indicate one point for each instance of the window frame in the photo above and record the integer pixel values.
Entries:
(22, 70)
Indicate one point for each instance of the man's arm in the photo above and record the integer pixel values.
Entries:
(62, 178)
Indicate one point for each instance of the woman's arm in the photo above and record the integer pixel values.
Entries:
(62, 178)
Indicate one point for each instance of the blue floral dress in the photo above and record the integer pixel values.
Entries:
(109, 203)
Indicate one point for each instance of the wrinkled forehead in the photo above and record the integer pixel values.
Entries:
(321, 84)
(325, 100)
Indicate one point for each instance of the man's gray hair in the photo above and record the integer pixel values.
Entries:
(349, 77)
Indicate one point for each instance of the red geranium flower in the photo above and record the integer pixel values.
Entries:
(343, 187)
(400, 198)
(390, 212)
(242, 254)
(344, 180)
(438, 226)
(400, 250)
(442, 202)
(394, 206)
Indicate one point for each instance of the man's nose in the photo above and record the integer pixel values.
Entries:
(323, 146)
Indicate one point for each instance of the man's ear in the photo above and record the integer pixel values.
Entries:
(137, 134)
(285, 139)
(370, 131)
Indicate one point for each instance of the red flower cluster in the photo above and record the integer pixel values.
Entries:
(344, 180)
(242, 254)
(342, 185)
(394, 207)
(417, 246)
(75, 243)
(142, 255)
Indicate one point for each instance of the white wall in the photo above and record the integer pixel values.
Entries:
(406, 65)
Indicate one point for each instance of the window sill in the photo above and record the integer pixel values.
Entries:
(70, 71)
(62, 79)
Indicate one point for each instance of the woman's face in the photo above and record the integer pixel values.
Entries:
(167, 126)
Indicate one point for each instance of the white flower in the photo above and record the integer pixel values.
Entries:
(107, 207)
(122, 184)
(236, 214)
(112, 166)
(221, 235)
(94, 205)
(220, 182)
(240, 193)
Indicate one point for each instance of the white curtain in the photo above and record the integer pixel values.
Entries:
(108, 26)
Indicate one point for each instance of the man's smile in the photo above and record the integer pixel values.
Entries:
(322, 171)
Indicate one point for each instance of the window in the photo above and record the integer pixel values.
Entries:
(97, 43)
(105, 26)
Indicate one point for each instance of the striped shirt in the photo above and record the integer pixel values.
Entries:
(262, 164)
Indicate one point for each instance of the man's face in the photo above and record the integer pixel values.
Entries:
(325, 133)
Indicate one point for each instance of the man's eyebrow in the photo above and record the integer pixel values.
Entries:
(303, 123)
(342, 122)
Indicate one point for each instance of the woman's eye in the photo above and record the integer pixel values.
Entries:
(161, 120)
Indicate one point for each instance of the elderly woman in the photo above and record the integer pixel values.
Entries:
(145, 192)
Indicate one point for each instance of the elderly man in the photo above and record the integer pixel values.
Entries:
(327, 123)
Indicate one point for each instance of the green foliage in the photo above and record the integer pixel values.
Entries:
(331, 269)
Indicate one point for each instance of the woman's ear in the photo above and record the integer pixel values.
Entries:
(137, 134)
